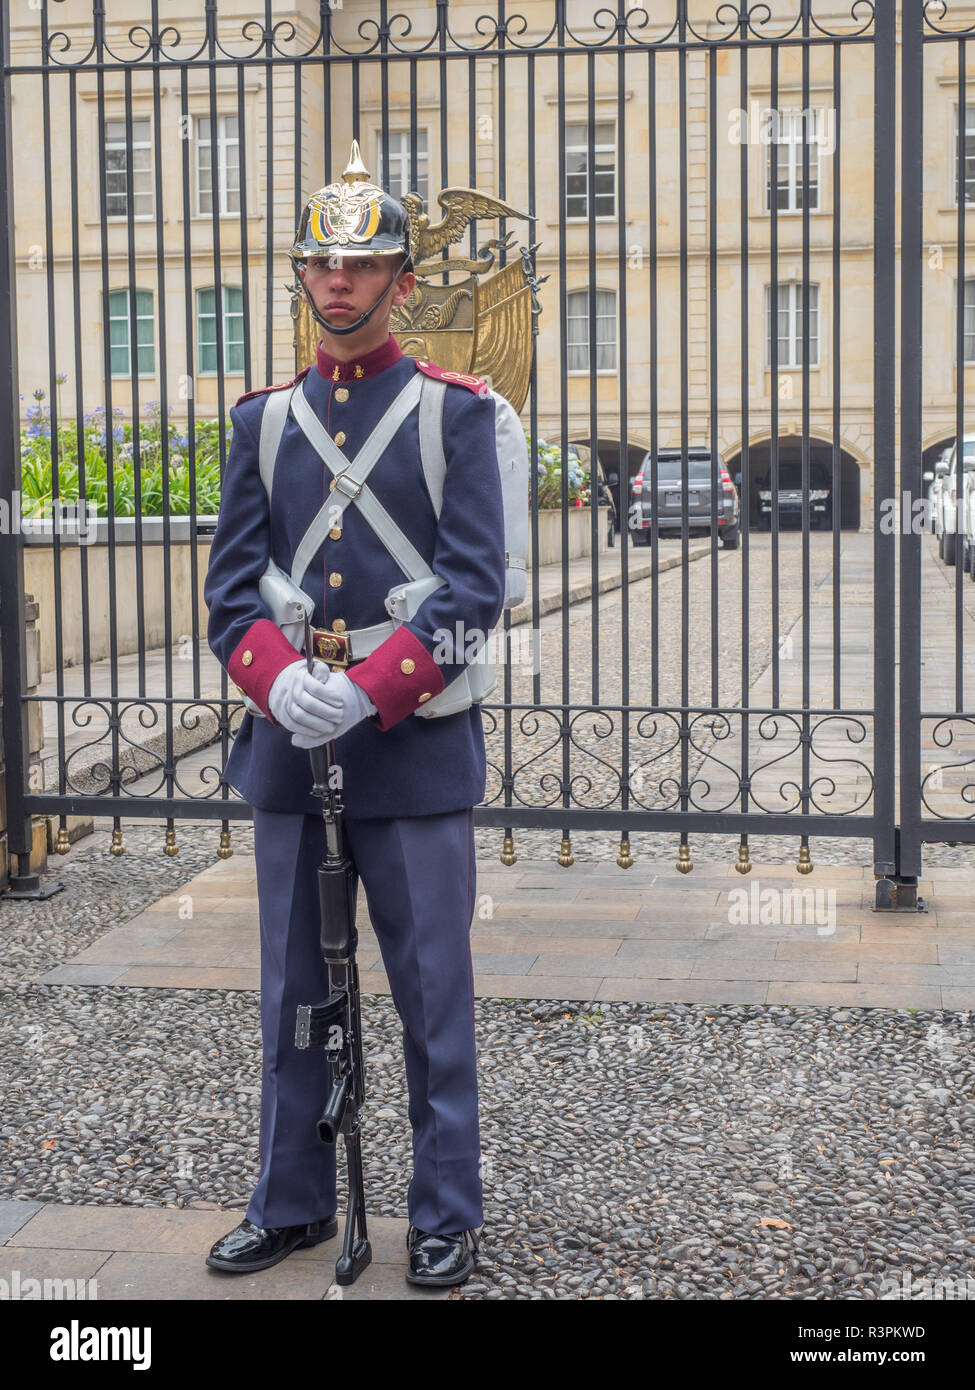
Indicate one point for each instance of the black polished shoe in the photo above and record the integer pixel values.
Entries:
(248, 1247)
(438, 1261)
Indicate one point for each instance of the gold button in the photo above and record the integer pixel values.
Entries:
(407, 666)
(335, 580)
(341, 394)
(338, 624)
(247, 658)
(331, 485)
(335, 533)
(424, 696)
(340, 438)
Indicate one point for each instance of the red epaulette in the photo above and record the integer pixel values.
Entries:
(473, 383)
(261, 389)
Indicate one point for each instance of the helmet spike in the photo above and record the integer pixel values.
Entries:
(355, 171)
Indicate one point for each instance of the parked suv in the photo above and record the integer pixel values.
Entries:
(671, 508)
(790, 495)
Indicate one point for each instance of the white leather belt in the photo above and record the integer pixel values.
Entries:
(343, 648)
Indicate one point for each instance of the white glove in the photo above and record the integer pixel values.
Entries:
(298, 700)
(351, 705)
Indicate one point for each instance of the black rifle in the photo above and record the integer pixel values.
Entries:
(335, 1023)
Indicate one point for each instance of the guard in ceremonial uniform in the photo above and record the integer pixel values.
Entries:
(409, 784)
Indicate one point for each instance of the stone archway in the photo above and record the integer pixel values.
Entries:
(790, 450)
(609, 452)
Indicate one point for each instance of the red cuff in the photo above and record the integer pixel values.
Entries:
(258, 658)
(395, 691)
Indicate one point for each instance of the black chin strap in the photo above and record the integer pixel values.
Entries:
(364, 317)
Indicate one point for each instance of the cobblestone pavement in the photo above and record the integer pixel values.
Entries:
(631, 1149)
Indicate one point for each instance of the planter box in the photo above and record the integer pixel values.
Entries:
(39, 580)
(579, 534)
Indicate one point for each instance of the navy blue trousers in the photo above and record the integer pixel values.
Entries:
(418, 873)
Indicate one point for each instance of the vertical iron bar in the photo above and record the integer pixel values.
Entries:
(654, 441)
(712, 186)
(806, 347)
(560, 17)
(12, 605)
(593, 371)
(169, 709)
(685, 592)
(773, 331)
(624, 428)
(132, 300)
(99, 48)
(912, 358)
(53, 396)
(745, 426)
(835, 365)
(885, 113)
(960, 374)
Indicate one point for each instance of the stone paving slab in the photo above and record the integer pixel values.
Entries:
(13, 1215)
(862, 996)
(579, 933)
(18, 1263)
(159, 1253)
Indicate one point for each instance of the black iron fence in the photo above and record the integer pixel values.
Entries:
(711, 191)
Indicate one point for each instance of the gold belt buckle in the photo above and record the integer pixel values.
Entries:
(332, 647)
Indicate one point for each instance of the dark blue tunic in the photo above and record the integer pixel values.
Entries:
(393, 763)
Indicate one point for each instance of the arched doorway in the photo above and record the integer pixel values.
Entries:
(616, 461)
(789, 451)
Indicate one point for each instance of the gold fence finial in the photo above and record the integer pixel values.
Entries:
(684, 862)
(743, 864)
(508, 855)
(624, 859)
(565, 856)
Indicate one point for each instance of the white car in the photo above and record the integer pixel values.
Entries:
(950, 499)
(934, 477)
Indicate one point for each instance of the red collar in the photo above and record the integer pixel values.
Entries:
(369, 364)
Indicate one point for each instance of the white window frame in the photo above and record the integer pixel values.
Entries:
(969, 333)
(969, 135)
(228, 341)
(400, 162)
(599, 147)
(793, 289)
(792, 128)
(118, 143)
(224, 141)
(583, 296)
(124, 318)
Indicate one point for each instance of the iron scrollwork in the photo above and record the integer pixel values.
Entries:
(625, 28)
(679, 750)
